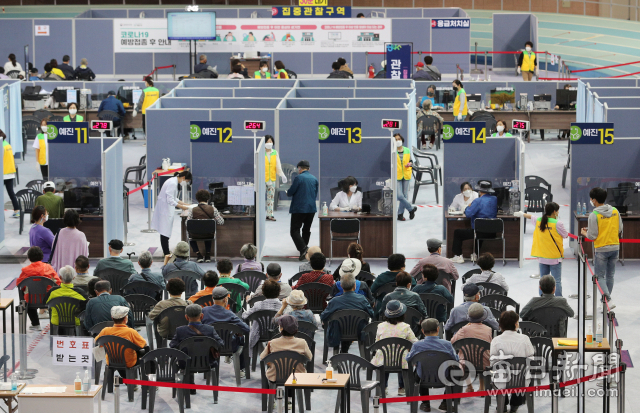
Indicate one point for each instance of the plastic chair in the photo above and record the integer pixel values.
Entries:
(228, 333)
(266, 326)
(316, 294)
(468, 274)
(253, 278)
(310, 367)
(345, 228)
(472, 350)
(170, 366)
(517, 370)
(367, 338)
(533, 180)
(354, 365)
(284, 362)
(454, 329)
(366, 277)
(142, 287)
(112, 116)
(205, 301)
(56, 119)
(289, 171)
(67, 309)
(431, 157)
(349, 322)
(116, 278)
(94, 331)
(175, 316)
(256, 299)
(430, 126)
(445, 278)
(202, 361)
(499, 302)
(13, 74)
(297, 277)
(36, 185)
(490, 288)
(383, 290)
(532, 329)
(553, 319)
(542, 362)
(203, 227)
(420, 169)
(140, 306)
(535, 198)
(307, 328)
(115, 348)
(27, 200)
(429, 363)
(413, 317)
(433, 303)
(492, 226)
(394, 350)
(31, 126)
(139, 173)
(42, 114)
(189, 277)
(37, 288)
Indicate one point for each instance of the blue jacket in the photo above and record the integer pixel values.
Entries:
(431, 343)
(219, 314)
(112, 104)
(200, 67)
(348, 301)
(184, 332)
(485, 206)
(429, 287)
(304, 191)
(99, 309)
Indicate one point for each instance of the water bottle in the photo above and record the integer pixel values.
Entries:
(86, 382)
(579, 209)
(325, 209)
(14, 382)
(584, 208)
(599, 334)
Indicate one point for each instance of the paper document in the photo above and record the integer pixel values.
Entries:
(136, 93)
(247, 195)
(41, 390)
(71, 96)
(234, 195)
(568, 342)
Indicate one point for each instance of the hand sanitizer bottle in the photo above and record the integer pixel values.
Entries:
(325, 209)
(78, 384)
(329, 373)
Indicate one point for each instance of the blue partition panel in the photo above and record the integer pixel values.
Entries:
(211, 82)
(265, 103)
(208, 92)
(316, 103)
(450, 40)
(536, 88)
(615, 91)
(219, 162)
(281, 83)
(376, 103)
(417, 31)
(77, 163)
(297, 61)
(112, 187)
(100, 59)
(133, 63)
(57, 44)
(444, 12)
(626, 122)
(611, 82)
(201, 103)
(620, 102)
(322, 61)
(510, 32)
(382, 93)
(325, 93)
(148, 13)
(17, 33)
(261, 93)
(108, 13)
(384, 83)
(328, 83)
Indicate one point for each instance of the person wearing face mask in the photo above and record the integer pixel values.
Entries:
(349, 199)
(148, 97)
(404, 168)
(431, 95)
(273, 169)
(9, 166)
(548, 242)
(263, 72)
(464, 198)
(39, 235)
(527, 62)
(41, 146)
(501, 127)
(460, 104)
(164, 213)
(73, 116)
(424, 123)
(303, 193)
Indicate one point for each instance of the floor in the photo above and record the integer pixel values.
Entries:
(543, 158)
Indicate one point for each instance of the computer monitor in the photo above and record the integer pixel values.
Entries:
(60, 95)
(502, 194)
(447, 97)
(219, 198)
(128, 95)
(499, 97)
(374, 199)
(84, 198)
(542, 98)
(566, 97)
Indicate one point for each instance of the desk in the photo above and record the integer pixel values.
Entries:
(252, 64)
(630, 228)
(10, 397)
(511, 235)
(5, 303)
(68, 401)
(539, 119)
(93, 228)
(308, 381)
(236, 231)
(92, 114)
(376, 234)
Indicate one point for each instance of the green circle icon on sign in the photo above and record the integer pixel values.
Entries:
(323, 132)
(195, 132)
(576, 133)
(52, 132)
(447, 132)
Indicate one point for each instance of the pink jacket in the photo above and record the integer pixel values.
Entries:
(475, 330)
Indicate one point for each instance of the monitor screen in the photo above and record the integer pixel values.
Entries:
(60, 95)
(566, 97)
(374, 199)
(191, 26)
(502, 193)
(219, 198)
(86, 197)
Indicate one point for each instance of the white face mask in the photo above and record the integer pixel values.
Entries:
(264, 69)
(500, 128)
(46, 218)
(44, 128)
(591, 202)
(72, 112)
(398, 144)
(467, 192)
(353, 188)
(528, 49)
(268, 145)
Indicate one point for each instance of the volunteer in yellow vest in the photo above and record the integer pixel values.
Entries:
(9, 166)
(460, 104)
(527, 62)
(41, 146)
(72, 116)
(273, 169)
(148, 97)
(501, 127)
(547, 245)
(282, 73)
(404, 167)
(604, 228)
(263, 73)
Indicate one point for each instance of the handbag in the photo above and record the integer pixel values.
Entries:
(53, 248)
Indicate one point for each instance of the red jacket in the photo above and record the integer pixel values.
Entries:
(38, 269)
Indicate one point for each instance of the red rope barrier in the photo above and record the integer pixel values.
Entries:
(605, 67)
(199, 387)
(156, 69)
(133, 191)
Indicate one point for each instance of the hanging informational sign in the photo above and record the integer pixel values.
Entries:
(311, 11)
(399, 61)
(72, 351)
(202, 131)
(591, 133)
(464, 132)
(68, 132)
(340, 132)
(299, 34)
(313, 3)
(450, 23)
(42, 30)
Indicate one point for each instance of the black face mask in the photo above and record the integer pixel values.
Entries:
(430, 93)
(455, 88)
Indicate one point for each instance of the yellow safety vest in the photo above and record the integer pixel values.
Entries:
(151, 94)
(68, 118)
(270, 163)
(544, 242)
(406, 158)
(456, 104)
(608, 229)
(42, 159)
(286, 75)
(258, 75)
(8, 162)
(528, 62)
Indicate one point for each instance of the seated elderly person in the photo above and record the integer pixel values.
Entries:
(306, 266)
(115, 261)
(404, 294)
(179, 261)
(295, 305)
(82, 271)
(210, 280)
(175, 287)
(471, 293)
(427, 111)
(318, 275)
(274, 272)
(203, 211)
(37, 268)
(249, 252)
(547, 300)
(145, 261)
(271, 291)
(66, 289)
(352, 266)
(486, 263)
(99, 308)
(288, 342)
(429, 286)
(119, 314)
(225, 267)
(434, 246)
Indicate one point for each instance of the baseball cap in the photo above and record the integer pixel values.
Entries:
(471, 289)
(419, 64)
(49, 184)
(219, 293)
(288, 323)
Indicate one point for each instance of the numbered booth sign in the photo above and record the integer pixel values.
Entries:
(591, 133)
(340, 132)
(68, 132)
(210, 132)
(464, 132)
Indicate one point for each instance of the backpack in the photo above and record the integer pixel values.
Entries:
(291, 73)
(339, 74)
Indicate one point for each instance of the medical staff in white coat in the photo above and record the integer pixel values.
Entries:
(349, 199)
(164, 213)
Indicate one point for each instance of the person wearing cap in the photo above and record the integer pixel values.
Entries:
(429, 277)
(420, 73)
(547, 300)
(70, 242)
(288, 326)
(352, 266)
(225, 266)
(114, 260)
(475, 329)
(395, 264)
(347, 301)
(426, 110)
(84, 72)
(210, 280)
(194, 316)
(394, 327)
(318, 275)
(482, 207)
(303, 193)
(99, 308)
(430, 342)
(175, 288)
(486, 263)
(434, 246)
(113, 105)
(274, 273)
(271, 291)
(120, 316)
(33, 74)
(50, 201)
(294, 305)
(66, 289)
(404, 294)
(471, 293)
(404, 170)
(179, 261)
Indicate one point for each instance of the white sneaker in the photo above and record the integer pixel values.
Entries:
(37, 328)
(458, 259)
(474, 257)
(242, 374)
(611, 304)
(534, 276)
(430, 146)
(227, 359)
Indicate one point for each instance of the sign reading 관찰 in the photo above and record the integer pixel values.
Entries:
(339, 132)
(591, 133)
(464, 132)
(210, 132)
(68, 132)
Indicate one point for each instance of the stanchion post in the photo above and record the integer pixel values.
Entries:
(376, 404)
(366, 62)
(126, 219)
(594, 294)
(559, 64)
(279, 399)
(149, 199)
(485, 65)
(116, 392)
(174, 73)
(605, 319)
(546, 64)
(553, 386)
(621, 387)
(24, 373)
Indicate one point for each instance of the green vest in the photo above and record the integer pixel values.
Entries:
(68, 118)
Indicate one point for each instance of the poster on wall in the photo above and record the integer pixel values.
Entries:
(260, 35)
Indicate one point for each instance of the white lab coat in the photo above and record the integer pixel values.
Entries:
(164, 213)
(342, 201)
(459, 204)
